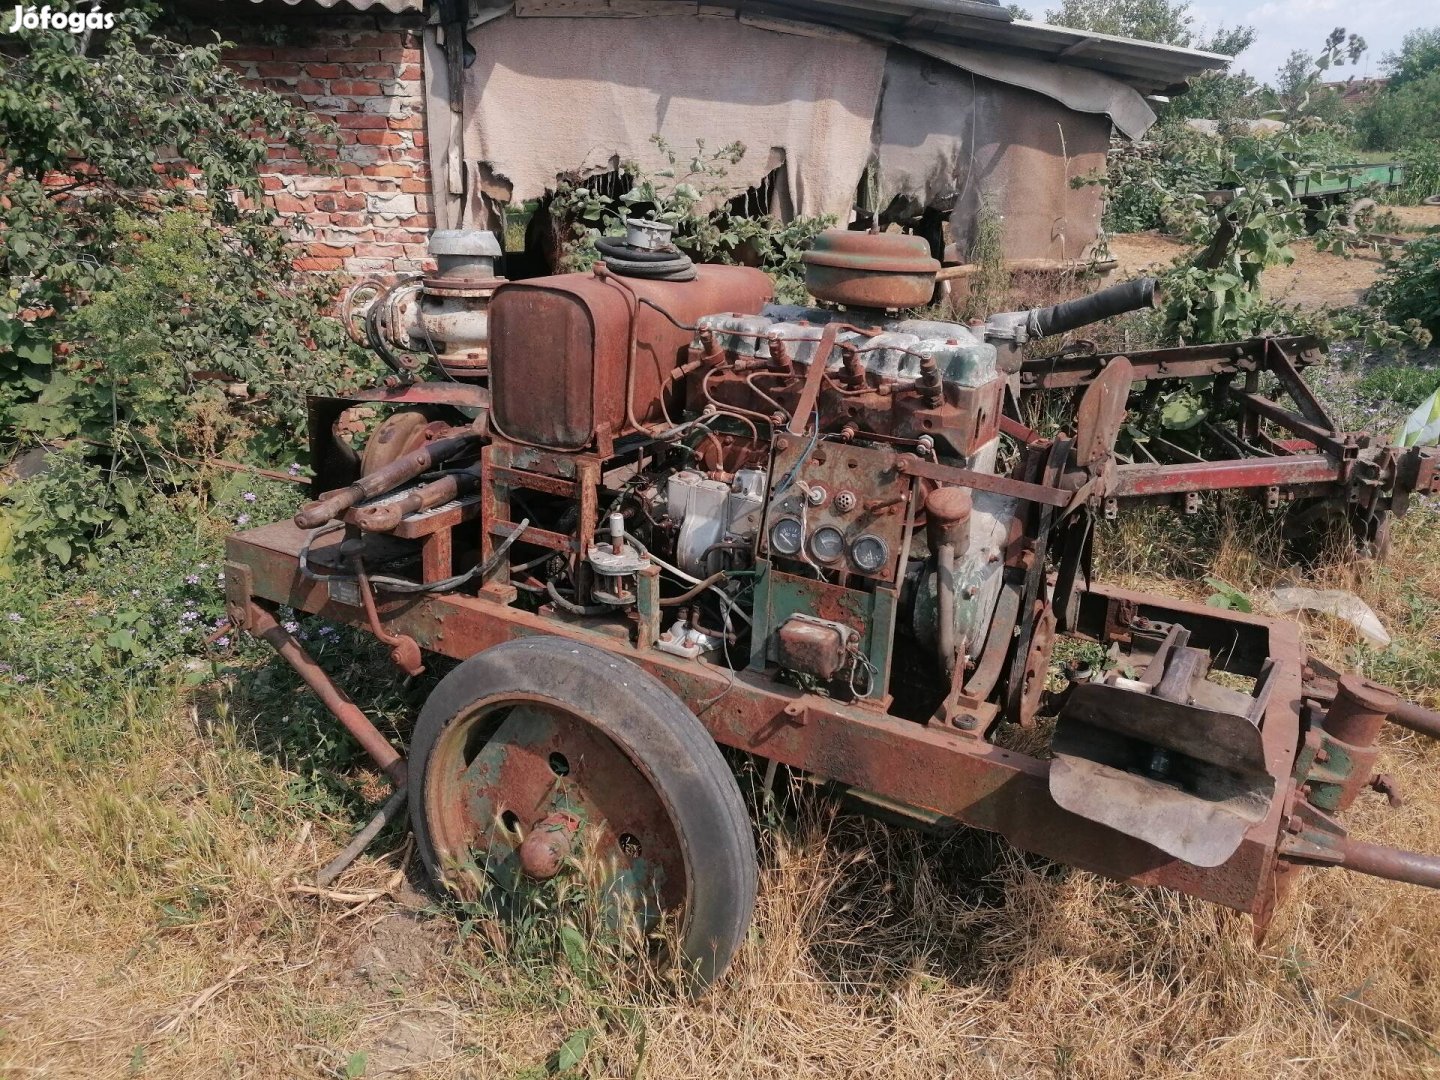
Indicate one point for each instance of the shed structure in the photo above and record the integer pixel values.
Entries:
(922, 113)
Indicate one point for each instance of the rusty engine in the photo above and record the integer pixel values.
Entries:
(826, 532)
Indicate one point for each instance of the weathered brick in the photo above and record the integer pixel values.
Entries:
(392, 39)
(324, 71)
(302, 54)
(416, 186)
(276, 69)
(360, 120)
(396, 204)
(379, 138)
(410, 71)
(306, 262)
(328, 251)
(313, 87)
(354, 56)
(338, 201)
(250, 52)
(371, 251)
(388, 107)
(370, 266)
(289, 204)
(355, 87)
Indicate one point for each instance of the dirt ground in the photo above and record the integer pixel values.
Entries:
(1315, 278)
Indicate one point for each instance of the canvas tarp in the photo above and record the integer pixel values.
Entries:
(574, 94)
(546, 97)
(950, 140)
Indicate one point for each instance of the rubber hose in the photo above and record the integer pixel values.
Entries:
(678, 268)
(615, 248)
(1116, 300)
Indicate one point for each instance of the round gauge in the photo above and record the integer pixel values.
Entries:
(785, 536)
(827, 544)
(870, 553)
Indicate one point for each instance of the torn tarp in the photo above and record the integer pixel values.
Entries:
(547, 97)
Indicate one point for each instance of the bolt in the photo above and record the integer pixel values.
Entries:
(1322, 756)
(1294, 825)
(965, 720)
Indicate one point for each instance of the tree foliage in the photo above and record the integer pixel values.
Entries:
(1298, 92)
(1419, 56)
(139, 253)
(1166, 22)
(1408, 110)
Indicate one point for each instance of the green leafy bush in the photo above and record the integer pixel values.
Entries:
(1409, 286)
(71, 506)
(685, 195)
(1422, 170)
(139, 251)
(195, 346)
(1142, 177)
(1401, 115)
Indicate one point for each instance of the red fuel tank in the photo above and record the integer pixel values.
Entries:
(560, 349)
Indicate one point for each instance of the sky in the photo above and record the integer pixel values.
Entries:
(1285, 25)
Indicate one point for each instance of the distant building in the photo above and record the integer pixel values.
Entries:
(1357, 90)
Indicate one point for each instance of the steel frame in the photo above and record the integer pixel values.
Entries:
(939, 774)
(1317, 461)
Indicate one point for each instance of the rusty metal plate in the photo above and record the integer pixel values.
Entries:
(861, 494)
(1218, 786)
(499, 773)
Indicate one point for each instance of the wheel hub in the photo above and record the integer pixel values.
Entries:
(527, 788)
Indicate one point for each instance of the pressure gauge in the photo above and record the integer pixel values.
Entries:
(827, 544)
(870, 553)
(785, 536)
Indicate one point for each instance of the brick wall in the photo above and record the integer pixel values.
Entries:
(361, 72)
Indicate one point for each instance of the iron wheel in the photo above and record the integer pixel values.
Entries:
(606, 774)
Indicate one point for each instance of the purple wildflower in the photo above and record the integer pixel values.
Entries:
(249, 496)
(190, 616)
(294, 469)
(15, 616)
(134, 592)
(222, 642)
(292, 627)
(22, 678)
(192, 579)
(243, 519)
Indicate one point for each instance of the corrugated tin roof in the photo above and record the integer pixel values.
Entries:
(1150, 68)
(395, 7)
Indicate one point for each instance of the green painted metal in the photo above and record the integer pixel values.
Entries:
(1339, 179)
(872, 615)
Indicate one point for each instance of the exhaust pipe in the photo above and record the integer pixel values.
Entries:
(1016, 327)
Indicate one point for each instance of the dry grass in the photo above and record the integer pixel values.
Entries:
(149, 930)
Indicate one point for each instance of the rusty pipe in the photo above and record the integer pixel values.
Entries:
(402, 469)
(1417, 718)
(1359, 711)
(1321, 684)
(1393, 864)
(386, 516)
(261, 623)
